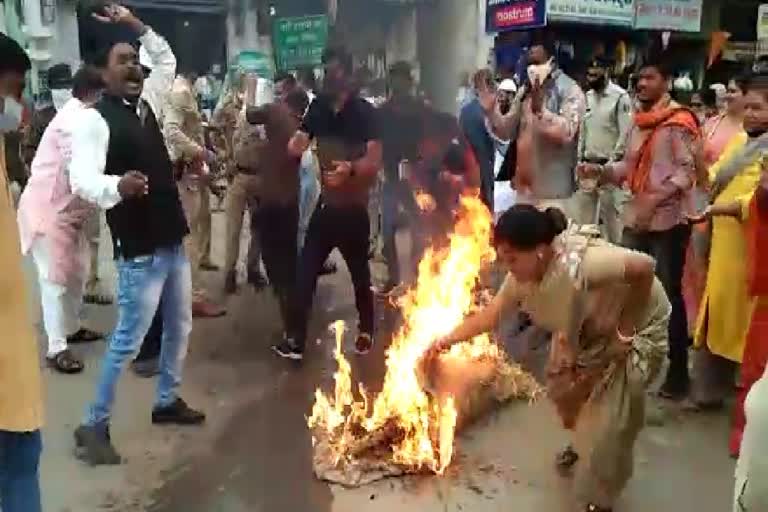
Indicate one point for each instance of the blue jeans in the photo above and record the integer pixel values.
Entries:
(161, 279)
(19, 476)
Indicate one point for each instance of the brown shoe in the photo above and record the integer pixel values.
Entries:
(204, 309)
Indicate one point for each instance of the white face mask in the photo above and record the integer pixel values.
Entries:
(539, 72)
(60, 97)
(10, 117)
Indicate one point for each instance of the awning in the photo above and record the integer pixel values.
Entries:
(189, 6)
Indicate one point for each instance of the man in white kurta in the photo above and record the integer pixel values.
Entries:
(51, 222)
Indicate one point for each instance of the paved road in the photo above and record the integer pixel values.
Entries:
(254, 453)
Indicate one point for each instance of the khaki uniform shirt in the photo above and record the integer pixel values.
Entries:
(605, 126)
(183, 125)
(21, 403)
(183, 130)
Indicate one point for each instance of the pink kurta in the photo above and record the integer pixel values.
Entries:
(48, 208)
(718, 132)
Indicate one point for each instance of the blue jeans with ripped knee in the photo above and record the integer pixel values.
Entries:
(145, 283)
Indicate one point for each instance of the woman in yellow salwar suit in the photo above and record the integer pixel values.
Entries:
(726, 307)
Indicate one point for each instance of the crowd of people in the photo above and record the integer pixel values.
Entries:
(638, 230)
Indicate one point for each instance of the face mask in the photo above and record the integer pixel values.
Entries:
(539, 72)
(60, 97)
(10, 117)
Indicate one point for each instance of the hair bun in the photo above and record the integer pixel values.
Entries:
(557, 220)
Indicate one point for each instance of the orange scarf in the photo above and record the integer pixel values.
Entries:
(669, 116)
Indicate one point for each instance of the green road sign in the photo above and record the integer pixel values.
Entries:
(300, 42)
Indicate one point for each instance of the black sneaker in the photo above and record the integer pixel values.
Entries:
(94, 446)
(178, 413)
(288, 350)
(363, 344)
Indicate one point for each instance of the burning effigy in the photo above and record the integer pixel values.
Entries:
(410, 425)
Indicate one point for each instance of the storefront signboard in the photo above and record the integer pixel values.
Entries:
(668, 15)
(503, 15)
(593, 12)
(300, 42)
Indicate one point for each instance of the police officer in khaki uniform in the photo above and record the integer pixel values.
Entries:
(602, 139)
(183, 130)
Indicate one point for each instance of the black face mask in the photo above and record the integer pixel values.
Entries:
(597, 85)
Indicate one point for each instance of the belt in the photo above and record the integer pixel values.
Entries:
(598, 161)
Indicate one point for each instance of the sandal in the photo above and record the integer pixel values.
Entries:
(85, 336)
(207, 266)
(65, 362)
(98, 299)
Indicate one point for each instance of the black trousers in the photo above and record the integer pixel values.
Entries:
(150, 347)
(278, 227)
(332, 227)
(668, 248)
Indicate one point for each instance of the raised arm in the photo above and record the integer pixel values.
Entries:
(563, 126)
(503, 126)
(160, 80)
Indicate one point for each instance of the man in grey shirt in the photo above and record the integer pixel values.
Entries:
(602, 139)
(544, 122)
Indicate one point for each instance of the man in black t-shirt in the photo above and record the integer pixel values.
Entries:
(350, 154)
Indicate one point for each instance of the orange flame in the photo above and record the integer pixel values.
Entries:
(442, 297)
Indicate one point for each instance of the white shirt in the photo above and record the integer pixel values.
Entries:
(90, 136)
(752, 469)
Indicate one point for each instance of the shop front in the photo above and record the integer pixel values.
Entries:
(622, 30)
(579, 29)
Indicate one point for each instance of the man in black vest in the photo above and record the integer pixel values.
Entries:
(119, 153)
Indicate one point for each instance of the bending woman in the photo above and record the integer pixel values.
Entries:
(609, 316)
